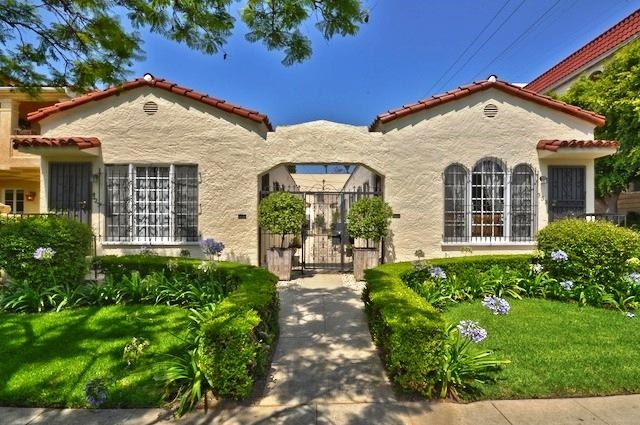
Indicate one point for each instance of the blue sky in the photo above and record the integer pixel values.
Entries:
(407, 51)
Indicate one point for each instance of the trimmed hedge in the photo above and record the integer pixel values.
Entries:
(596, 250)
(236, 344)
(21, 237)
(409, 331)
(469, 267)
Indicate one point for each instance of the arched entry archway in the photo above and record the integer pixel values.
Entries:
(328, 191)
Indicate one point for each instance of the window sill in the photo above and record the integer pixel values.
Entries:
(532, 244)
(143, 244)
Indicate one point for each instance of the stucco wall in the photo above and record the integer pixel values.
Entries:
(410, 153)
(358, 178)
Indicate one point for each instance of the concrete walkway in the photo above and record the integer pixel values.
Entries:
(327, 371)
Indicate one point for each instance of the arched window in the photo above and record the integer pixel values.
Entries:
(455, 203)
(523, 186)
(487, 199)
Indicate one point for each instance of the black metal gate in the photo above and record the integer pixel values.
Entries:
(324, 243)
(70, 190)
(567, 192)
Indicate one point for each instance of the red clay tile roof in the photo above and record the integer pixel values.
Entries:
(55, 142)
(609, 40)
(554, 145)
(485, 85)
(153, 82)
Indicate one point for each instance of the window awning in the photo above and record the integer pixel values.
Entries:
(584, 149)
(53, 146)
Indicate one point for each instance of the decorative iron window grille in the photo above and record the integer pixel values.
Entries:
(490, 204)
(151, 204)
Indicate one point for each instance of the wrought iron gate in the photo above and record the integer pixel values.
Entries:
(324, 243)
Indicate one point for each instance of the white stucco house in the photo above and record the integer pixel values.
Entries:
(151, 163)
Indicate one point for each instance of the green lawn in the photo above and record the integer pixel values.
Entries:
(46, 359)
(558, 349)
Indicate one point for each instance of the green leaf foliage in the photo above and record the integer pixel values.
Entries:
(597, 250)
(83, 43)
(369, 218)
(282, 213)
(236, 343)
(21, 237)
(614, 93)
(409, 332)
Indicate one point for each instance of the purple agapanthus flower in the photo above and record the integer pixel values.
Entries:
(559, 255)
(536, 268)
(634, 277)
(437, 273)
(471, 330)
(211, 247)
(497, 305)
(44, 253)
(567, 284)
(95, 392)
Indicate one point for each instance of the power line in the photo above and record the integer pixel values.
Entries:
(486, 41)
(520, 37)
(469, 46)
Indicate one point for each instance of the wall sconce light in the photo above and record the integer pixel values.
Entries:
(544, 179)
(30, 196)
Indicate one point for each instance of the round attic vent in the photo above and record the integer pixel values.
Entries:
(150, 108)
(490, 110)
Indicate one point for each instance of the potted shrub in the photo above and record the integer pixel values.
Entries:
(368, 219)
(281, 213)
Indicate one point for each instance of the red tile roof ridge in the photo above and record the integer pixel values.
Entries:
(151, 81)
(618, 34)
(38, 141)
(477, 86)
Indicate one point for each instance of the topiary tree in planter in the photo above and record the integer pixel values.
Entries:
(281, 213)
(369, 219)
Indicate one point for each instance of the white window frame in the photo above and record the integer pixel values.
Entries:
(506, 194)
(144, 201)
(137, 217)
(14, 199)
(472, 215)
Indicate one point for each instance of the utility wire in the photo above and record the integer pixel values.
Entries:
(520, 37)
(485, 42)
(473, 41)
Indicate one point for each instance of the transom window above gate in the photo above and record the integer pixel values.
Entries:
(489, 203)
(151, 204)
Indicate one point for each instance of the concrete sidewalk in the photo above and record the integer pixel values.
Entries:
(327, 371)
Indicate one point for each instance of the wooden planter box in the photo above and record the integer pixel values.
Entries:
(279, 262)
(364, 258)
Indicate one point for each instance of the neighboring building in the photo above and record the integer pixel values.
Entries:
(20, 172)
(151, 163)
(589, 61)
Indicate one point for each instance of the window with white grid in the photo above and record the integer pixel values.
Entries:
(15, 199)
(151, 204)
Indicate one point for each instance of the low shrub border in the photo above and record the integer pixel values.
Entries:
(237, 342)
(238, 337)
(408, 330)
